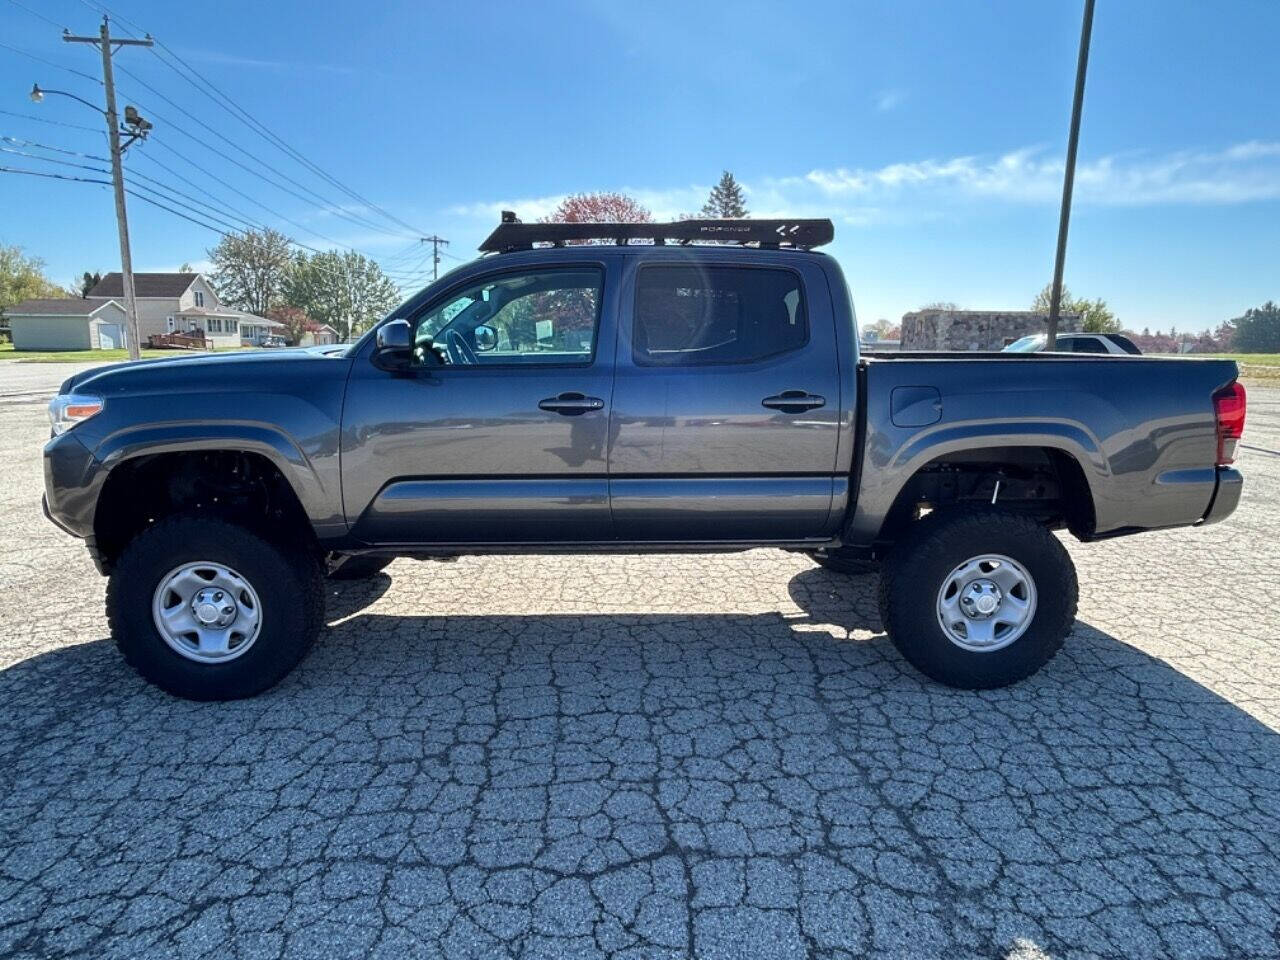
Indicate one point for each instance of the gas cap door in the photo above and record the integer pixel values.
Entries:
(915, 406)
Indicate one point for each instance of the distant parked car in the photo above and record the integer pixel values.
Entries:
(1076, 343)
(272, 341)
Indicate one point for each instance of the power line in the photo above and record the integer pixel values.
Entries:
(214, 93)
(55, 123)
(313, 199)
(149, 194)
(240, 213)
(18, 141)
(37, 13)
(275, 213)
(51, 63)
(191, 183)
(155, 203)
(51, 176)
(150, 197)
(63, 163)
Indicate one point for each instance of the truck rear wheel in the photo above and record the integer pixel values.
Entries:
(977, 599)
(209, 610)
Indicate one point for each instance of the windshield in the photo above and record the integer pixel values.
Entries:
(1026, 345)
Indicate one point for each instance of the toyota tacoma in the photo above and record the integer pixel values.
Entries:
(693, 386)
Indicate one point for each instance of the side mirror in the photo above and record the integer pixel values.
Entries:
(394, 346)
(486, 338)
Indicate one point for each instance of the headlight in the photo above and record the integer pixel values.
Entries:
(68, 409)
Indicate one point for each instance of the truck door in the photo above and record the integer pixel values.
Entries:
(498, 432)
(727, 400)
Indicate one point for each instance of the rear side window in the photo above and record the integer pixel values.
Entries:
(1124, 343)
(1088, 345)
(687, 315)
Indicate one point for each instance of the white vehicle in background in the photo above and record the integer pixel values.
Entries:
(1076, 343)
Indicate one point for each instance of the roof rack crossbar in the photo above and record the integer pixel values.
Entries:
(511, 234)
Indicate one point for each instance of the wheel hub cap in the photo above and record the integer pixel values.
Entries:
(980, 599)
(214, 608)
(206, 612)
(986, 603)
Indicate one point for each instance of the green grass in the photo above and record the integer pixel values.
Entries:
(1255, 366)
(78, 356)
(1253, 359)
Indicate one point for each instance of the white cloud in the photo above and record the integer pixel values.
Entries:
(890, 99)
(922, 190)
(1242, 173)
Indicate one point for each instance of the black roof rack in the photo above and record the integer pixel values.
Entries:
(511, 234)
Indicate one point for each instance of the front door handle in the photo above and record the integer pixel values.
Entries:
(794, 401)
(571, 404)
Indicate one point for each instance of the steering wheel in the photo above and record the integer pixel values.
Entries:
(459, 348)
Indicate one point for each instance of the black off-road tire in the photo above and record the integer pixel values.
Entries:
(360, 567)
(840, 560)
(287, 580)
(914, 573)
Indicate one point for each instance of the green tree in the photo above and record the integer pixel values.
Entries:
(1258, 331)
(877, 331)
(726, 200)
(1095, 315)
(22, 278)
(87, 282)
(249, 269)
(348, 291)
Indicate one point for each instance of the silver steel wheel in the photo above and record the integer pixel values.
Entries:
(986, 603)
(207, 612)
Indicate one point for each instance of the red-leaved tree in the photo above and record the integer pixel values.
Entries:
(599, 208)
(294, 320)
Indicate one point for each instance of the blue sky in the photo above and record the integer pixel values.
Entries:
(931, 132)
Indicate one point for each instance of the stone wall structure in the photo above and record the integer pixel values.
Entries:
(975, 329)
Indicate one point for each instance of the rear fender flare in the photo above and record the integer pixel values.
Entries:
(876, 499)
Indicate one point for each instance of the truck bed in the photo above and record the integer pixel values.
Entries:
(1141, 429)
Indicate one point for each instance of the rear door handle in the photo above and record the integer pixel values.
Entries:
(794, 401)
(571, 404)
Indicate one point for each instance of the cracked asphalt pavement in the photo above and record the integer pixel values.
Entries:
(649, 757)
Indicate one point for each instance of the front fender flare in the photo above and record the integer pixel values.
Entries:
(322, 502)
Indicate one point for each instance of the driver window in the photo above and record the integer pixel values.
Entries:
(544, 316)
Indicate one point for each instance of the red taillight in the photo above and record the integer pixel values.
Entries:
(1228, 407)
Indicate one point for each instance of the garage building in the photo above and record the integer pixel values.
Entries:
(67, 324)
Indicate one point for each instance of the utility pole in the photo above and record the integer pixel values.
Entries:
(436, 243)
(1068, 180)
(104, 41)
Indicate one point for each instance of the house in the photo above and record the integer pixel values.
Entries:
(66, 323)
(181, 303)
(976, 329)
(317, 335)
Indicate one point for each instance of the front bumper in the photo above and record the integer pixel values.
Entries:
(73, 478)
(1227, 495)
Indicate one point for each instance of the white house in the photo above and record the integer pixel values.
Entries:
(66, 323)
(318, 335)
(181, 303)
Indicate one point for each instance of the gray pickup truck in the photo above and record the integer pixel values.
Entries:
(560, 394)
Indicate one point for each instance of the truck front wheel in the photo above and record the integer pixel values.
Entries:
(209, 610)
(977, 599)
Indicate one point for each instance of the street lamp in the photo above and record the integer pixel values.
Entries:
(38, 94)
(135, 127)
